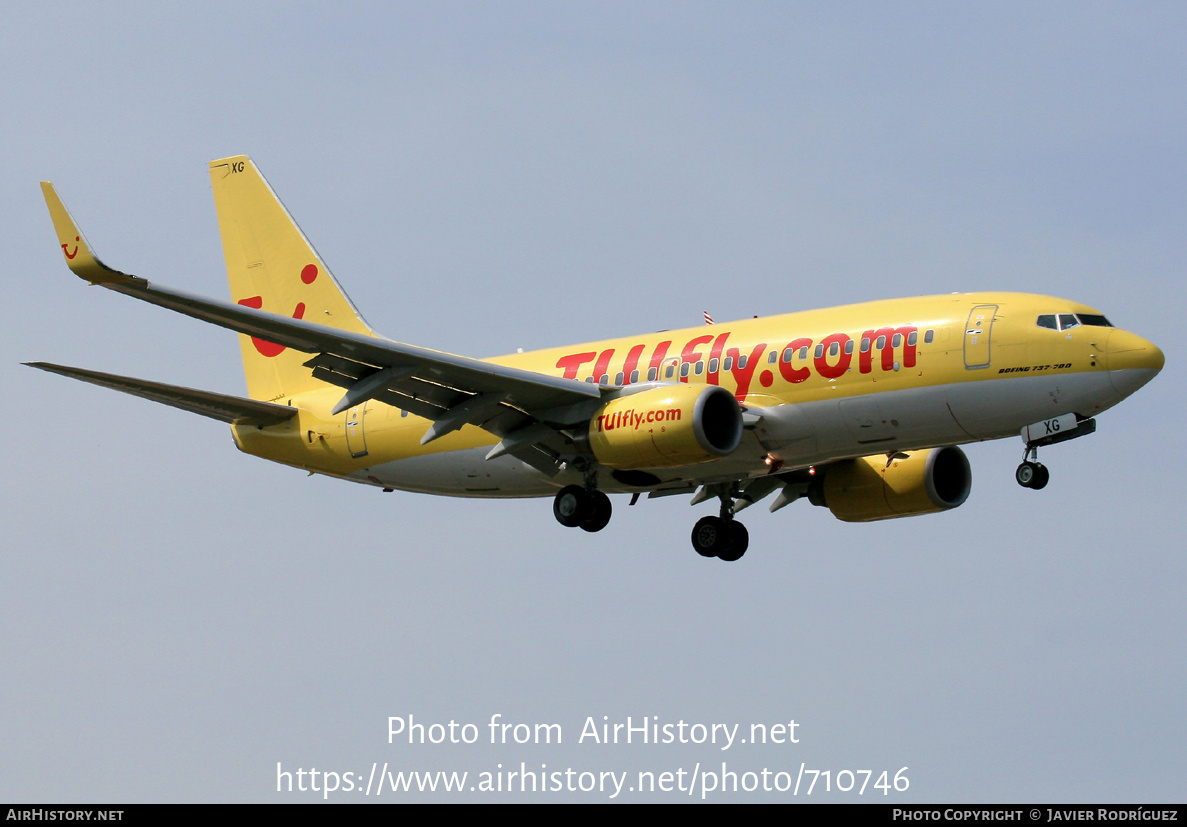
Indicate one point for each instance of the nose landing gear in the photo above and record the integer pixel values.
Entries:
(1032, 475)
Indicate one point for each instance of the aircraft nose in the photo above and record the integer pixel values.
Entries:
(1132, 360)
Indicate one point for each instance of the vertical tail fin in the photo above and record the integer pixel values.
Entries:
(271, 265)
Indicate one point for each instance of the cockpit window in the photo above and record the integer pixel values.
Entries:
(1066, 321)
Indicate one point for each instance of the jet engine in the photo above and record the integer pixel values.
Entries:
(878, 488)
(666, 426)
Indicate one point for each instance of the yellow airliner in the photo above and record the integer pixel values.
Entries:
(858, 408)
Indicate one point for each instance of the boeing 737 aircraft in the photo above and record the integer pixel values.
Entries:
(857, 408)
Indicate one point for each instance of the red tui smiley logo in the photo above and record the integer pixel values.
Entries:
(266, 348)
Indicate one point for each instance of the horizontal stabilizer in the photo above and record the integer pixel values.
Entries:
(229, 409)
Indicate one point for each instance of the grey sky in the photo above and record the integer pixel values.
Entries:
(179, 617)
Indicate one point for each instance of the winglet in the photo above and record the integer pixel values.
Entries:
(79, 256)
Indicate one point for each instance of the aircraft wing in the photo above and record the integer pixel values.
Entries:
(519, 406)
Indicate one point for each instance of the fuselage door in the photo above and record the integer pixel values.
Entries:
(356, 441)
(976, 336)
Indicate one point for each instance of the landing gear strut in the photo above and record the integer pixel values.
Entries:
(1031, 473)
(721, 537)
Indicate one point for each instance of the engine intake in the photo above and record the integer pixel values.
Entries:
(666, 426)
(867, 489)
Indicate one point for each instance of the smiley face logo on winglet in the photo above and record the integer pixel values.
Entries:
(266, 348)
(69, 254)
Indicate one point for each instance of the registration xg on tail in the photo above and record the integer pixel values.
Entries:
(857, 408)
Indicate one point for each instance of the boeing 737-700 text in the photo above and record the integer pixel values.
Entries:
(857, 408)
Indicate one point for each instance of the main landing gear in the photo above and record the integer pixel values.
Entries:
(721, 537)
(586, 508)
(582, 506)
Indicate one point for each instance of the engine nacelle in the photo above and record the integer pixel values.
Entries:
(666, 426)
(866, 489)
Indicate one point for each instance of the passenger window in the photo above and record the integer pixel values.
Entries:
(670, 371)
(912, 338)
(787, 355)
(865, 344)
(618, 378)
(803, 353)
(834, 349)
(634, 376)
(819, 351)
(849, 347)
(699, 368)
(897, 341)
(652, 374)
(713, 366)
(742, 363)
(605, 380)
(929, 337)
(1047, 320)
(774, 357)
(684, 368)
(728, 364)
(881, 343)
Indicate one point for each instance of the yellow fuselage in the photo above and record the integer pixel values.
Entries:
(841, 382)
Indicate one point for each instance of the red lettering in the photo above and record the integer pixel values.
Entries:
(864, 362)
(632, 361)
(909, 350)
(691, 355)
(715, 353)
(603, 365)
(833, 371)
(574, 361)
(661, 350)
(794, 375)
(743, 376)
